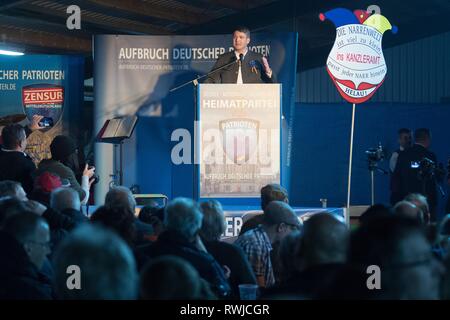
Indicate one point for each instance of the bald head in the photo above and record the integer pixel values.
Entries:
(409, 210)
(325, 240)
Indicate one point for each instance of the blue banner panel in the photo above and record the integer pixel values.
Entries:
(46, 85)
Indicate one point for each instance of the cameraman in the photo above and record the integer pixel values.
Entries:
(415, 173)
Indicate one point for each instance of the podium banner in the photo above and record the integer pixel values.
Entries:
(239, 139)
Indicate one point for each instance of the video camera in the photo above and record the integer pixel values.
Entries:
(95, 177)
(375, 154)
(428, 169)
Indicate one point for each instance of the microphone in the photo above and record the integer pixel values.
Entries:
(241, 57)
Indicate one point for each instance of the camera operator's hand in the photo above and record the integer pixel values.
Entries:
(34, 125)
(88, 171)
(91, 181)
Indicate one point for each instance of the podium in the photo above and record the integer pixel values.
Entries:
(238, 143)
(116, 131)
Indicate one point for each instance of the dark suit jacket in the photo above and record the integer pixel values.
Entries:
(233, 257)
(407, 179)
(249, 74)
(19, 278)
(17, 166)
(173, 243)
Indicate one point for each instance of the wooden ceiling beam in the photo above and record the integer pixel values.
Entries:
(121, 25)
(152, 10)
(27, 37)
(8, 4)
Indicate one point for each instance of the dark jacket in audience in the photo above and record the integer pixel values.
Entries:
(234, 258)
(306, 284)
(63, 172)
(17, 166)
(19, 278)
(173, 243)
(76, 215)
(57, 220)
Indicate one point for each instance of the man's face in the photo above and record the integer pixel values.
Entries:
(38, 246)
(240, 41)
(404, 140)
(284, 230)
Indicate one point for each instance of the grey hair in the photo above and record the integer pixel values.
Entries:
(9, 188)
(106, 263)
(213, 220)
(184, 216)
(64, 198)
(120, 196)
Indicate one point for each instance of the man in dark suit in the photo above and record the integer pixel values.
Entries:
(249, 66)
(15, 164)
(412, 173)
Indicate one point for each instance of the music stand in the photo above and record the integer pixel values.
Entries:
(116, 131)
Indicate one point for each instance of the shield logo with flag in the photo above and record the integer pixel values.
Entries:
(45, 100)
(240, 140)
(356, 62)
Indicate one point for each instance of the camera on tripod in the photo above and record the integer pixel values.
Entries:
(375, 155)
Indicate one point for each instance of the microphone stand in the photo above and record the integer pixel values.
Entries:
(195, 83)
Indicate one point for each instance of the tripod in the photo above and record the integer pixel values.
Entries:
(373, 165)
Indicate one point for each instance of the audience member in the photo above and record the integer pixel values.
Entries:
(320, 253)
(12, 189)
(232, 256)
(154, 216)
(183, 221)
(61, 148)
(173, 278)
(106, 265)
(398, 246)
(24, 246)
(270, 192)
(10, 206)
(409, 210)
(278, 221)
(44, 184)
(421, 202)
(118, 218)
(15, 163)
(66, 201)
(374, 212)
(122, 197)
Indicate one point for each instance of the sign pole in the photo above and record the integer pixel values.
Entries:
(347, 216)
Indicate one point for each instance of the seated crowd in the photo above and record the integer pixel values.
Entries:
(51, 250)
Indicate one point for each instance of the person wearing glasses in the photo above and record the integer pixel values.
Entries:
(279, 220)
(24, 245)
